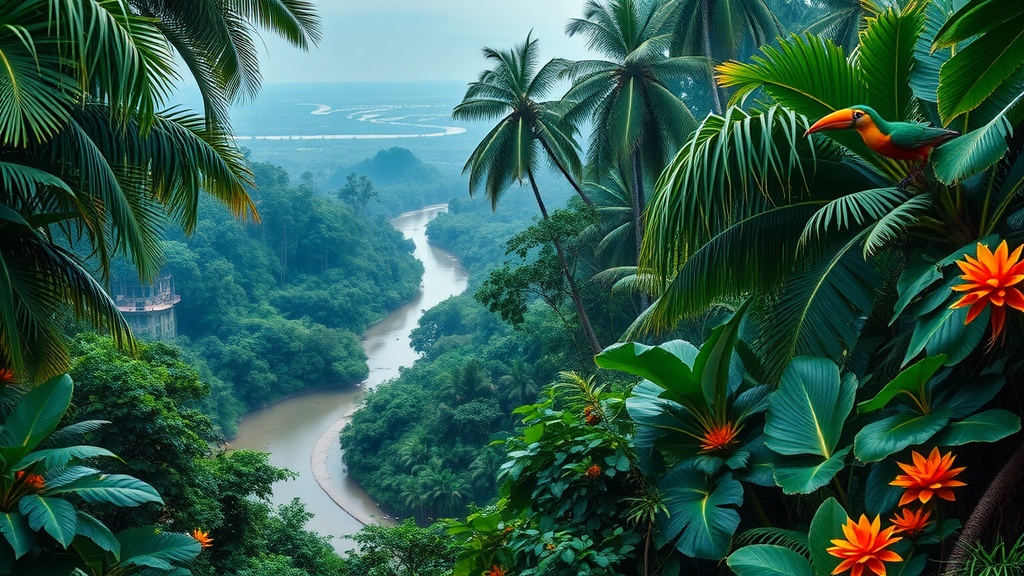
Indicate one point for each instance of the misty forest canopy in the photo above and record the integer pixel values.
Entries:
(745, 297)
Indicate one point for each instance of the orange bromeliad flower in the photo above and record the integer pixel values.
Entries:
(990, 280)
(912, 521)
(594, 471)
(34, 481)
(496, 570)
(203, 538)
(719, 437)
(865, 545)
(927, 478)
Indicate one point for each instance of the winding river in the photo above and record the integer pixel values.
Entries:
(301, 433)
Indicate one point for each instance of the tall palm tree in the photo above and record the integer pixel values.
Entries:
(511, 92)
(631, 98)
(721, 30)
(90, 165)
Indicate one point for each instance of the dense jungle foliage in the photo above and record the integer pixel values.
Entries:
(776, 330)
(274, 309)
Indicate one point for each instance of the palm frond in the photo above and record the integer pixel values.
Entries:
(858, 209)
(819, 311)
(890, 226)
(975, 151)
(887, 59)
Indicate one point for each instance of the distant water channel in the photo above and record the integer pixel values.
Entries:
(301, 433)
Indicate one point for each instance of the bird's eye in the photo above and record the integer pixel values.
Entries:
(858, 115)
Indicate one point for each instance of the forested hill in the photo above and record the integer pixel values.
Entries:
(275, 308)
(402, 182)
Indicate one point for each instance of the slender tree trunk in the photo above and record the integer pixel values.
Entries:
(588, 330)
(716, 98)
(572, 181)
(992, 501)
(638, 202)
(639, 223)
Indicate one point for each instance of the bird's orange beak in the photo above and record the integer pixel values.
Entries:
(835, 121)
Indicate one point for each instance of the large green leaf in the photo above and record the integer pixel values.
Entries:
(115, 489)
(15, 529)
(712, 364)
(56, 516)
(987, 426)
(976, 70)
(666, 365)
(702, 515)
(768, 560)
(881, 497)
(946, 328)
(976, 17)
(35, 417)
(805, 474)
(826, 525)
(149, 546)
(894, 433)
(807, 412)
(91, 528)
(660, 420)
(59, 457)
(910, 381)
(924, 78)
(887, 58)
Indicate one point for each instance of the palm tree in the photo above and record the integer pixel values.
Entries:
(721, 30)
(88, 161)
(511, 93)
(215, 41)
(638, 119)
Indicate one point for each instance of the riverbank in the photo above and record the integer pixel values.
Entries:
(301, 433)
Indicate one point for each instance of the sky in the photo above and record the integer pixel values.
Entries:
(418, 40)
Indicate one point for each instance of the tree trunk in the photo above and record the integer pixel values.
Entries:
(588, 330)
(572, 181)
(639, 222)
(992, 501)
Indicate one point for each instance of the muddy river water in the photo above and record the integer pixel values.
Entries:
(301, 433)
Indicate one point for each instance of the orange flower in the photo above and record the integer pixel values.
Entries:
(203, 537)
(865, 545)
(911, 522)
(990, 279)
(34, 481)
(6, 376)
(926, 478)
(719, 437)
(594, 471)
(496, 570)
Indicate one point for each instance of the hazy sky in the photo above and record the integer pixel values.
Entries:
(395, 40)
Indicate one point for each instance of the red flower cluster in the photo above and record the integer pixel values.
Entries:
(719, 437)
(594, 471)
(33, 481)
(591, 416)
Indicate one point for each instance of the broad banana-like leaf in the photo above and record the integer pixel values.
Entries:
(702, 515)
(56, 516)
(35, 417)
(768, 560)
(977, 70)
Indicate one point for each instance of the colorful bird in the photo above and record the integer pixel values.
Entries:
(897, 140)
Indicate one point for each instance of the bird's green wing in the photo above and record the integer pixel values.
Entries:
(913, 135)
